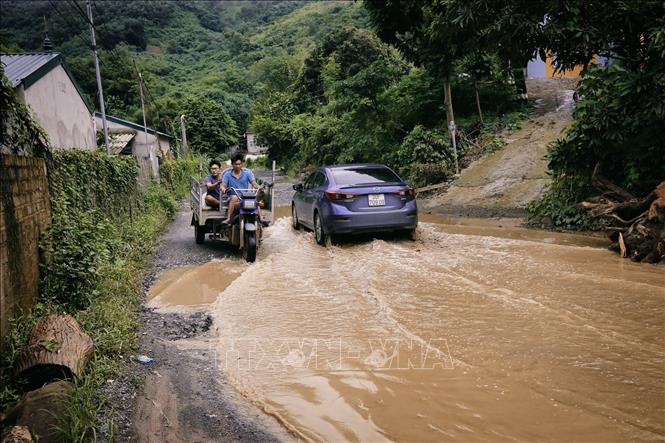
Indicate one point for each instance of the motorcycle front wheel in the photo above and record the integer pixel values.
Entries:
(249, 249)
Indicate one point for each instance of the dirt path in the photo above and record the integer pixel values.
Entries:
(504, 182)
(183, 397)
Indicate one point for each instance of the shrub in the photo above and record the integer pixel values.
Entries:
(74, 247)
(425, 156)
(174, 174)
(559, 206)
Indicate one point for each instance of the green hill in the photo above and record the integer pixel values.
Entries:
(217, 49)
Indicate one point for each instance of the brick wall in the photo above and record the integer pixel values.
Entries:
(25, 213)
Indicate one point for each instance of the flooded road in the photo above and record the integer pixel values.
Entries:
(474, 332)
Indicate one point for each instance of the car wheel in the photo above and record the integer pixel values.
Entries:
(319, 233)
(294, 218)
(200, 234)
(412, 234)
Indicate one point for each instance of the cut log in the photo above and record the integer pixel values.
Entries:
(39, 410)
(17, 434)
(432, 187)
(57, 348)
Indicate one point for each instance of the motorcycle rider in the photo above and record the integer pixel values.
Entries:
(237, 178)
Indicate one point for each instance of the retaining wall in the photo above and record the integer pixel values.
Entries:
(25, 213)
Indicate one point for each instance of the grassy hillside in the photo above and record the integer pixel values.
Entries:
(214, 49)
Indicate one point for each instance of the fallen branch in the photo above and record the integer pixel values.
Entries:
(642, 236)
(607, 187)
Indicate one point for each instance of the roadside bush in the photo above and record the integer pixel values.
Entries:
(74, 247)
(85, 180)
(94, 251)
(424, 157)
(423, 174)
(174, 174)
(619, 121)
(157, 198)
(559, 206)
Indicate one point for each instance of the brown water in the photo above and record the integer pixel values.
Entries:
(194, 285)
(474, 332)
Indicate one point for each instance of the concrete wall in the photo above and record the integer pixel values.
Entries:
(146, 150)
(25, 213)
(538, 68)
(60, 110)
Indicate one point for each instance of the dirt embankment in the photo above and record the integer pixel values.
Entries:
(503, 183)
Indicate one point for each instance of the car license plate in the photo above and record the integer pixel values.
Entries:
(376, 200)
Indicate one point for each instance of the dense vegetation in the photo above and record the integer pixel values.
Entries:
(188, 52)
(622, 111)
(220, 62)
(93, 256)
(318, 86)
(355, 99)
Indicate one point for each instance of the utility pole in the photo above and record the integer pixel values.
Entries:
(183, 136)
(452, 128)
(145, 126)
(99, 78)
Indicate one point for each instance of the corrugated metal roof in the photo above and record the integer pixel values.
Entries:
(18, 67)
(129, 124)
(119, 141)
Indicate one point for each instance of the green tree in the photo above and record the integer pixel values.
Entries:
(210, 129)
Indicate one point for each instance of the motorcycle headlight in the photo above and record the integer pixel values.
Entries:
(249, 204)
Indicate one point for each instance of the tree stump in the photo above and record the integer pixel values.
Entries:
(57, 348)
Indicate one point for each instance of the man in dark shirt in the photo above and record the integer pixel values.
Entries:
(213, 181)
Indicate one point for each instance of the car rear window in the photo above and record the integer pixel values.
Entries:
(361, 176)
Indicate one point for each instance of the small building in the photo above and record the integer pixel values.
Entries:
(147, 145)
(45, 85)
(250, 144)
(539, 68)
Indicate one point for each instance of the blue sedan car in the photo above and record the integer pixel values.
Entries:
(349, 199)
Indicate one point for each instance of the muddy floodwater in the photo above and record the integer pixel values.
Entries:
(474, 332)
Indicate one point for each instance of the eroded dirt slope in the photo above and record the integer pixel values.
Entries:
(504, 182)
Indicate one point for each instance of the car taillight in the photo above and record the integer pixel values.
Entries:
(407, 191)
(339, 195)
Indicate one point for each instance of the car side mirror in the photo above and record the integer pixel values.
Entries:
(297, 187)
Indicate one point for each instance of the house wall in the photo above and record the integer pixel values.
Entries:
(536, 68)
(252, 147)
(25, 213)
(59, 109)
(145, 151)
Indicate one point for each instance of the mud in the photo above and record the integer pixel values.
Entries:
(183, 398)
(477, 331)
(503, 183)
(194, 285)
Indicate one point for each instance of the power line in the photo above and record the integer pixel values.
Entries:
(112, 51)
(73, 27)
(82, 13)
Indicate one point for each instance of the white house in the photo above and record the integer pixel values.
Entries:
(251, 146)
(45, 85)
(147, 145)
